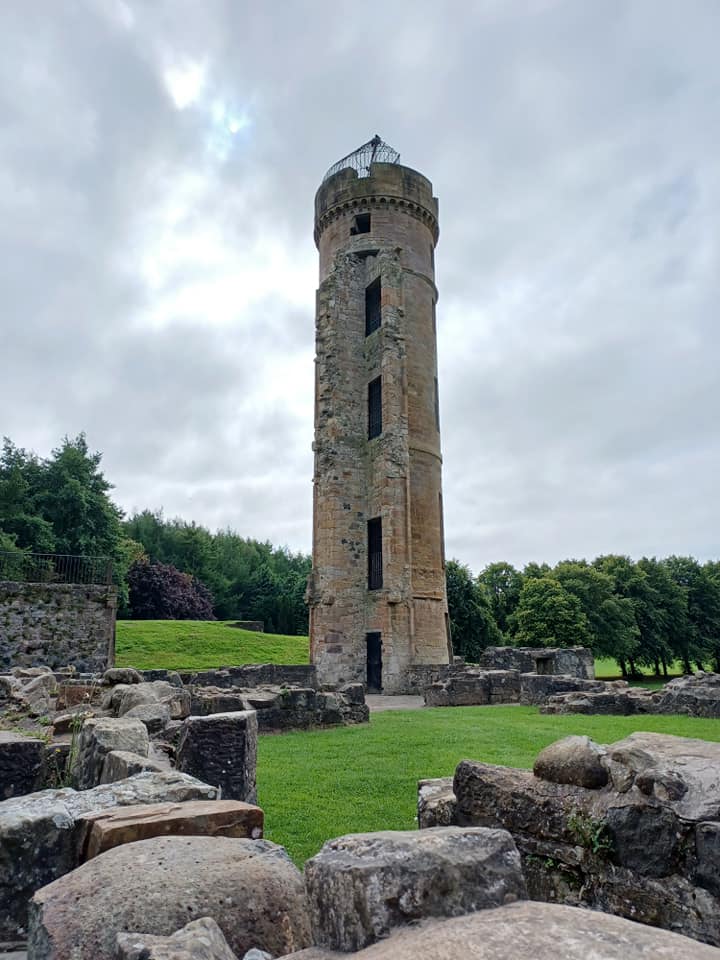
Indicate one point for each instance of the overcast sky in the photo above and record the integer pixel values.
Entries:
(158, 163)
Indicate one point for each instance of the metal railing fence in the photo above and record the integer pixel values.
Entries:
(54, 568)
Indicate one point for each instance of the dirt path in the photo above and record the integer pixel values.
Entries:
(378, 703)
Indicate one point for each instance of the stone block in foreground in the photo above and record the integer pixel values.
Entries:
(221, 749)
(98, 737)
(631, 829)
(42, 834)
(362, 886)
(436, 803)
(202, 818)
(528, 931)
(22, 764)
(198, 940)
(250, 888)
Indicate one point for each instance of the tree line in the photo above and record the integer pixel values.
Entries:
(163, 568)
(645, 613)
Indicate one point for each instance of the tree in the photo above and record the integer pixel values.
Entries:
(548, 616)
(472, 625)
(612, 630)
(159, 591)
(503, 584)
(21, 485)
(75, 500)
(702, 590)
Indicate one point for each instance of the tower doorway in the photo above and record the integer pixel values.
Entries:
(374, 662)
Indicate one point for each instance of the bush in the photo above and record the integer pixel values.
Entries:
(159, 591)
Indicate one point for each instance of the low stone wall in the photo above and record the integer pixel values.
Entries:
(254, 675)
(553, 661)
(696, 696)
(464, 687)
(631, 829)
(287, 708)
(475, 688)
(57, 625)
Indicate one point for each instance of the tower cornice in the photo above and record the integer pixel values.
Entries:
(388, 201)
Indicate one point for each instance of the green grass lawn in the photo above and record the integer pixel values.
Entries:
(322, 784)
(200, 645)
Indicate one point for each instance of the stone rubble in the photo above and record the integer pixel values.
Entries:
(362, 886)
(250, 888)
(42, 834)
(632, 829)
(221, 749)
(694, 696)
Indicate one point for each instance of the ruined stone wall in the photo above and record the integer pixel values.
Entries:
(397, 475)
(553, 661)
(57, 625)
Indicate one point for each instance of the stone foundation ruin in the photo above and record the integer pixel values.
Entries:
(525, 675)
(160, 839)
(632, 829)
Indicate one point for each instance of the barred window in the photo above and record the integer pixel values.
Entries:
(375, 561)
(375, 408)
(373, 313)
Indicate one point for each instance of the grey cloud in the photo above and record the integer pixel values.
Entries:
(157, 271)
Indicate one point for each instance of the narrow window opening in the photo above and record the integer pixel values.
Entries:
(432, 256)
(374, 661)
(361, 224)
(375, 565)
(437, 406)
(543, 666)
(375, 408)
(373, 316)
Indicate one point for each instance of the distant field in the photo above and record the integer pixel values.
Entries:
(607, 669)
(200, 645)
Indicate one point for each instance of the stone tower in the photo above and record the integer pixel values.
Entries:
(378, 608)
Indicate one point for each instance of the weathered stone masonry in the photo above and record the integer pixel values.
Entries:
(57, 624)
(395, 476)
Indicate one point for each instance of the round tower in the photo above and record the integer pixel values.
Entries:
(378, 608)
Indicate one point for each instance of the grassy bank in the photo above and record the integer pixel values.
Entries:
(323, 784)
(200, 645)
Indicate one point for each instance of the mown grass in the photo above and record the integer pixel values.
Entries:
(200, 645)
(322, 784)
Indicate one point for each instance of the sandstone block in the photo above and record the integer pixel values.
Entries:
(41, 834)
(123, 697)
(249, 887)
(71, 720)
(117, 675)
(22, 764)
(121, 764)
(644, 845)
(202, 818)
(155, 716)
(198, 940)
(576, 760)
(98, 737)
(222, 749)
(528, 931)
(362, 886)
(436, 803)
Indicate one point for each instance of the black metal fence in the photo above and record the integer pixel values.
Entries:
(54, 568)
